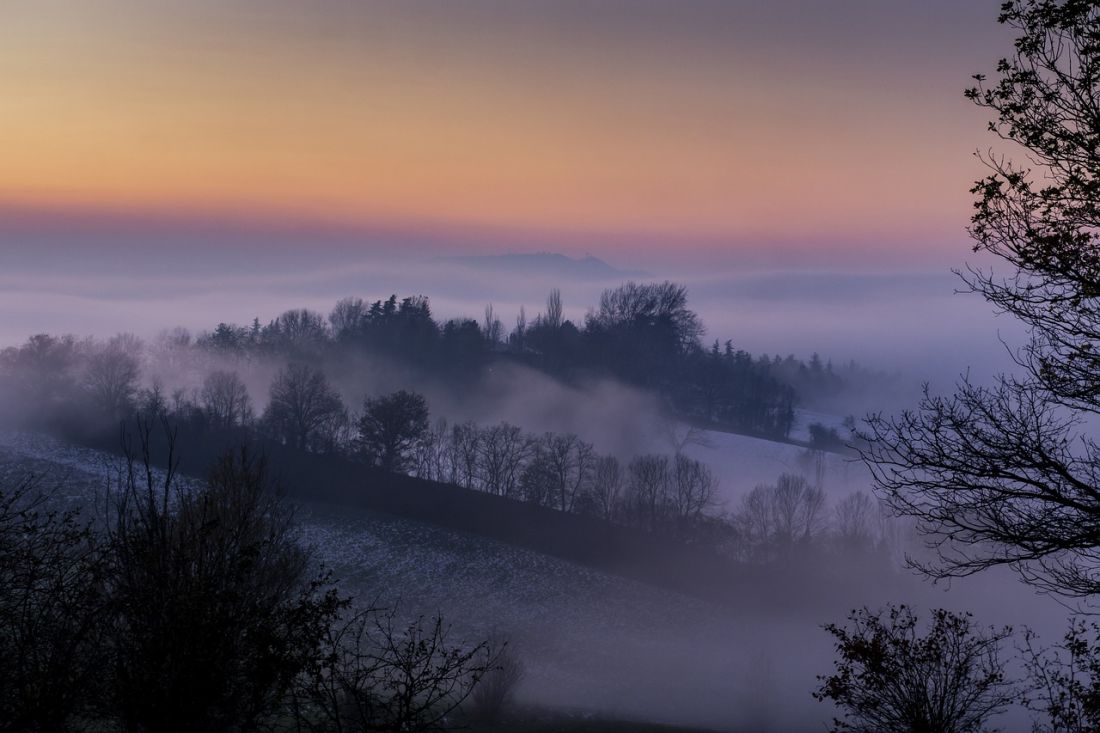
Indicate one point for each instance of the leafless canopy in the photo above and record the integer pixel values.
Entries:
(1009, 474)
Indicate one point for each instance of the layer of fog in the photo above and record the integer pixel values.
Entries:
(615, 418)
(911, 322)
(681, 662)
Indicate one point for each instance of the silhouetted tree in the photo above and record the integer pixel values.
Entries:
(152, 402)
(890, 677)
(52, 611)
(348, 317)
(559, 471)
(227, 339)
(660, 308)
(1065, 681)
(693, 491)
(502, 453)
(648, 490)
(854, 521)
(462, 348)
(295, 331)
(493, 693)
(643, 331)
(431, 456)
(554, 317)
(225, 399)
(214, 611)
(492, 327)
(776, 519)
(379, 676)
(391, 427)
(464, 449)
(1008, 474)
(111, 376)
(607, 486)
(301, 403)
(518, 338)
(40, 378)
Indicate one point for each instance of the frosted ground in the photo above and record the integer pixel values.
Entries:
(742, 462)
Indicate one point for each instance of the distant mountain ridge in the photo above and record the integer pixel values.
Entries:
(544, 263)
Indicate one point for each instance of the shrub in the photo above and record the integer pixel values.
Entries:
(891, 679)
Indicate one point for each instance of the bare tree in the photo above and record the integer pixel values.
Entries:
(1010, 474)
(519, 335)
(854, 521)
(301, 328)
(648, 489)
(152, 403)
(607, 487)
(430, 459)
(492, 328)
(580, 480)
(756, 522)
(112, 372)
(335, 434)
(566, 464)
(694, 488)
(225, 399)
(502, 453)
(379, 676)
(465, 441)
(799, 509)
(347, 317)
(301, 403)
(214, 607)
(647, 305)
(554, 317)
(538, 480)
(778, 518)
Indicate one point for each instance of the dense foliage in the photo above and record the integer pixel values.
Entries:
(641, 333)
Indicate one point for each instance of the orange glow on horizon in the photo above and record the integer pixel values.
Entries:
(117, 106)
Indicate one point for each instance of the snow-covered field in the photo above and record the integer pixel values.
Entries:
(742, 462)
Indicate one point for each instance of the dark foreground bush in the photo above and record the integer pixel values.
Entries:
(890, 678)
(1065, 680)
(493, 694)
(193, 607)
(215, 609)
(379, 675)
(51, 608)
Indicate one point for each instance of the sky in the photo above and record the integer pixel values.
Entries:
(759, 130)
(803, 166)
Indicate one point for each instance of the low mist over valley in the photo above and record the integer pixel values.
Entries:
(549, 367)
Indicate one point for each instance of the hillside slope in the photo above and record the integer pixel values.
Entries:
(591, 640)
